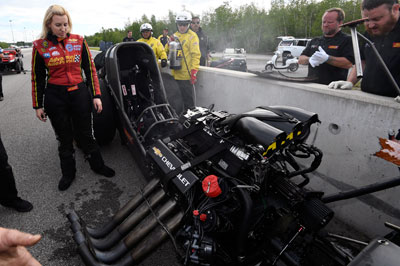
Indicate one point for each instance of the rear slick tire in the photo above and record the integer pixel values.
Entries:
(104, 124)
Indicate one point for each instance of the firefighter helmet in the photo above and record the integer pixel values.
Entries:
(146, 27)
(183, 17)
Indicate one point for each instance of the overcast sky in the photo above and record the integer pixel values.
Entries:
(89, 16)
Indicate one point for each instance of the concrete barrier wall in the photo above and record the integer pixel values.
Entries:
(352, 121)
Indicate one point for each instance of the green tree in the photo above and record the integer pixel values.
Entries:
(4, 45)
(246, 26)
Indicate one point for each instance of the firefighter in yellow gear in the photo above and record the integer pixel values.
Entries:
(146, 31)
(186, 76)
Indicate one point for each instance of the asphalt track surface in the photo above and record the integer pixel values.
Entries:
(32, 149)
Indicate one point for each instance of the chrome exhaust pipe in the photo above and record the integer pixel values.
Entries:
(136, 255)
(137, 234)
(126, 226)
(118, 217)
(156, 238)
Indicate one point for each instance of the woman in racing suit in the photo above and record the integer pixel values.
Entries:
(59, 91)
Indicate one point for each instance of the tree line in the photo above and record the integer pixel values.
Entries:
(247, 26)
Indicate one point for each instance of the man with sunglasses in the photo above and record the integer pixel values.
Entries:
(204, 47)
(186, 76)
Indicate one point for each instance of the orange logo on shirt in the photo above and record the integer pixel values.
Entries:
(55, 61)
(396, 45)
(333, 47)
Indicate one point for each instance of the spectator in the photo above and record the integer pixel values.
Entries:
(58, 59)
(383, 29)
(164, 38)
(204, 46)
(13, 245)
(186, 76)
(1, 77)
(330, 56)
(129, 38)
(146, 30)
(8, 190)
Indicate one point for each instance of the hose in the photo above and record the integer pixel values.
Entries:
(187, 68)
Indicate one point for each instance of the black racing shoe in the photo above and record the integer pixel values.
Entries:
(65, 182)
(97, 164)
(17, 204)
(105, 171)
(1, 98)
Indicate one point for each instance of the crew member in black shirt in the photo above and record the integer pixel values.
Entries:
(383, 29)
(203, 39)
(330, 56)
(164, 38)
(129, 38)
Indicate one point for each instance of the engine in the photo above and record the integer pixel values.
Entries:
(238, 180)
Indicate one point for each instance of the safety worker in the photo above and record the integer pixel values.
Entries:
(164, 38)
(58, 59)
(190, 55)
(146, 30)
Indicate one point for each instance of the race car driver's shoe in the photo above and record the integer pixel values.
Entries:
(97, 165)
(1, 98)
(17, 204)
(65, 182)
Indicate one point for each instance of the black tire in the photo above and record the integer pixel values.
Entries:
(293, 67)
(22, 67)
(18, 67)
(104, 124)
(269, 67)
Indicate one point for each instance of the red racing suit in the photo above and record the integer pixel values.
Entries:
(61, 63)
(58, 87)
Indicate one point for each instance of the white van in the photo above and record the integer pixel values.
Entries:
(290, 45)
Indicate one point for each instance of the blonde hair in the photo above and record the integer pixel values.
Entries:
(51, 11)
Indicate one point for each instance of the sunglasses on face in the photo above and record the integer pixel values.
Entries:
(196, 22)
(182, 24)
